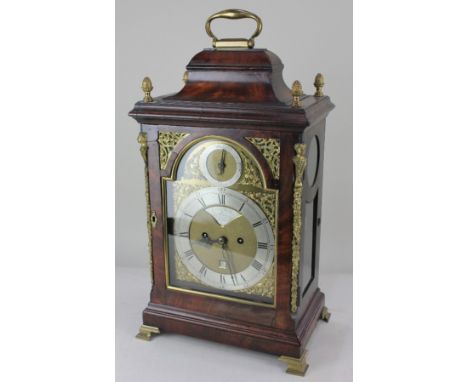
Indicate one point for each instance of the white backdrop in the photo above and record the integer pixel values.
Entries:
(158, 38)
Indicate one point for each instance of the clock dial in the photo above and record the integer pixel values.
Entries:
(223, 238)
(221, 164)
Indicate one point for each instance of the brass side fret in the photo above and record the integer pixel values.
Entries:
(143, 141)
(299, 164)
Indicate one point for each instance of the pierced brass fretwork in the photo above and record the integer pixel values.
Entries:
(300, 162)
(143, 141)
(167, 141)
(270, 149)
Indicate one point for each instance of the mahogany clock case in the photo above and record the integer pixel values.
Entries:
(238, 94)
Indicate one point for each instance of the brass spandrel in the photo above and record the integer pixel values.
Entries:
(270, 149)
(167, 141)
(251, 174)
(268, 202)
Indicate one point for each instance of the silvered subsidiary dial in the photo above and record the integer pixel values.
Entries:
(221, 164)
(223, 238)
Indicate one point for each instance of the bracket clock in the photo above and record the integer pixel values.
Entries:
(233, 169)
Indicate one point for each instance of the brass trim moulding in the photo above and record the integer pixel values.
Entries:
(300, 163)
(143, 141)
(222, 297)
(146, 332)
(234, 14)
(296, 366)
(270, 149)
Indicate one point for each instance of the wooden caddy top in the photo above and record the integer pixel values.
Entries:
(234, 86)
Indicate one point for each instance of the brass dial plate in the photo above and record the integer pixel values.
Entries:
(188, 177)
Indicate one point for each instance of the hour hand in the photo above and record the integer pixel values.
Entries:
(222, 162)
(205, 239)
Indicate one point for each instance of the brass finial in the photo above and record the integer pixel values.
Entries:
(147, 87)
(296, 93)
(185, 77)
(318, 83)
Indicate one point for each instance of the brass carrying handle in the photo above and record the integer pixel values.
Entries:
(234, 14)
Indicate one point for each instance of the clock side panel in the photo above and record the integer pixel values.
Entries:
(314, 138)
(156, 210)
(311, 299)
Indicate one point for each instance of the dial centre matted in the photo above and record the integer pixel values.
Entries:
(227, 224)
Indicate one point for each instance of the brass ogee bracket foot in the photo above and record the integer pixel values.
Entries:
(325, 314)
(296, 366)
(146, 332)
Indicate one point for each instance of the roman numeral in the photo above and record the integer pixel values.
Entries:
(243, 278)
(186, 214)
(202, 202)
(222, 279)
(234, 279)
(257, 265)
(261, 245)
(242, 206)
(255, 225)
(189, 254)
(182, 234)
(203, 270)
(222, 198)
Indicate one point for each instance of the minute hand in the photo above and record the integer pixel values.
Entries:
(228, 256)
